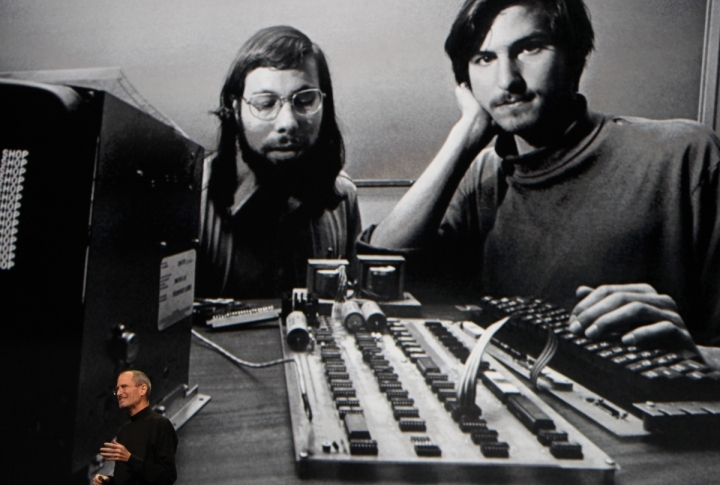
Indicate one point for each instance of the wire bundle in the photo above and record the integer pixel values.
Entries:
(468, 383)
(551, 346)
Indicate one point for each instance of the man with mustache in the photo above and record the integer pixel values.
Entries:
(614, 217)
(275, 193)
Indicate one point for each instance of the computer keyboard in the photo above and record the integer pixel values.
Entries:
(627, 375)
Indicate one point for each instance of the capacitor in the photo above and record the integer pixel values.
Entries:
(298, 336)
(352, 317)
(375, 319)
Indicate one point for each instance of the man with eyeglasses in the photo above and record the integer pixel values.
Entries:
(144, 450)
(274, 192)
(617, 218)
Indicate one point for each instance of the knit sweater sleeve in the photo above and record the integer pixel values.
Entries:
(159, 469)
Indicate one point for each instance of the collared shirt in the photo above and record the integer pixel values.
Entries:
(261, 246)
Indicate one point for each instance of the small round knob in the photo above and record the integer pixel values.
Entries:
(126, 344)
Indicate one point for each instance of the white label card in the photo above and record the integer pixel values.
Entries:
(177, 288)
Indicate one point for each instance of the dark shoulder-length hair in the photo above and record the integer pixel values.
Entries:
(569, 22)
(278, 47)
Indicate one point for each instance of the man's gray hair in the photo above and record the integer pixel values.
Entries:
(140, 378)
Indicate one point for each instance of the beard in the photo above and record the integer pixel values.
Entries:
(306, 177)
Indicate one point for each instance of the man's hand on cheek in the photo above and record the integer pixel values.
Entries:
(480, 125)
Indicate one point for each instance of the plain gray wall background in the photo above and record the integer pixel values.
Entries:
(393, 82)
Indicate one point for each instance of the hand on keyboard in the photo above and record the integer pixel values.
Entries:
(636, 312)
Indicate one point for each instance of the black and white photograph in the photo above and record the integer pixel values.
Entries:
(369, 242)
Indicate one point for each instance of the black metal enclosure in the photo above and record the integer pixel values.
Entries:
(99, 215)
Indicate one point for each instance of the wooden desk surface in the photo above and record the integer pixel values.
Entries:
(243, 435)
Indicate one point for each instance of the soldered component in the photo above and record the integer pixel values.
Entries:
(378, 362)
(411, 348)
(366, 344)
(343, 392)
(402, 402)
(529, 413)
(451, 405)
(352, 317)
(460, 413)
(382, 368)
(322, 338)
(396, 393)
(364, 337)
(298, 336)
(444, 394)
(498, 385)
(356, 427)
(330, 346)
(402, 339)
(430, 378)
(390, 385)
(363, 447)
(335, 368)
(472, 425)
(412, 424)
(386, 376)
(498, 449)
(330, 355)
(437, 385)
(399, 331)
(337, 375)
(424, 446)
(427, 366)
(340, 383)
(347, 401)
(414, 355)
(405, 412)
(549, 436)
(370, 353)
(484, 436)
(345, 410)
(375, 319)
(566, 450)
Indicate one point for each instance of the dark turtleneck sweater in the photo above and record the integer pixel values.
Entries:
(617, 200)
(151, 440)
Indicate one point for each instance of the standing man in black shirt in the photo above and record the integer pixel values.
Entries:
(144, 450)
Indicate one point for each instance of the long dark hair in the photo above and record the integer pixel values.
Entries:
(569, 23)
(279, 47)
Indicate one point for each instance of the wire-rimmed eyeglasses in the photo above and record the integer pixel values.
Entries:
(266, 106)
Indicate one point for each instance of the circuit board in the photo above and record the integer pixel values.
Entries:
(382, 406)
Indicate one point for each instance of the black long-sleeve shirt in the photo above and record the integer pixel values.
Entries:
(151, 440)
